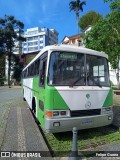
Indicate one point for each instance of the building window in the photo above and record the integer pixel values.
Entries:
(42, 29)
(32, 48)
(41, 41)
(41, 47)
(33, 43)
(32, 32)
(33, 38)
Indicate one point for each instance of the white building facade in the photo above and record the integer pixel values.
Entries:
(37, 38)
(18, 44)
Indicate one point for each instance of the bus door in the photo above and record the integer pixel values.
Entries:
(42, 78)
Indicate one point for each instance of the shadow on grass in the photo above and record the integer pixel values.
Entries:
(87, 133)
(61, 143)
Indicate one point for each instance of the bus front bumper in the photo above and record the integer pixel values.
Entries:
(67, 124)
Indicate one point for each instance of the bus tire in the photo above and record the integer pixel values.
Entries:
(37, 122)
(23, 96)
(24, 99)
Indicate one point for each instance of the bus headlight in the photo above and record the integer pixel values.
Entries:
(106, 109)
(109, 117)
(62, 113)
(58, 114)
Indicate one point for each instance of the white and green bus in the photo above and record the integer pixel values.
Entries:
(68, 86)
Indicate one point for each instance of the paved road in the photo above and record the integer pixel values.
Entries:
(18, 130)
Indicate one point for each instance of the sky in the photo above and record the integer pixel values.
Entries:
(49, 13)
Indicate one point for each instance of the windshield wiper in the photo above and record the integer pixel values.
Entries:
(71, 85)
(87, 78)
(97, 83)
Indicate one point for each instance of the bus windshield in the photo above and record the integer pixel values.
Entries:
(77, 69)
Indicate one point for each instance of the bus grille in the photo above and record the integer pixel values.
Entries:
(82, 113)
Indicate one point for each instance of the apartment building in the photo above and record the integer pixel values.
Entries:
(37, 38)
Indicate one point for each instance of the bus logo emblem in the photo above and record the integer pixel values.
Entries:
(88, 105)
(87, 96)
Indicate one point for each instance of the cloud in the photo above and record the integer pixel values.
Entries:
(53, 17)
(49, 6)
(49, 11)
(38, 12)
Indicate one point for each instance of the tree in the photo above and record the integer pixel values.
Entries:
(105, 36)
(2, 58)
(91, 18)
(2, 41)
(17, 68)
(11, 30)
(77, 6)
(114, 4)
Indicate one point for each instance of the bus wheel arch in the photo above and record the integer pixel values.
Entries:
(34, 109)
(34, 105)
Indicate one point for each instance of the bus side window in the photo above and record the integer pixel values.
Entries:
(37, 63)
(43, 64)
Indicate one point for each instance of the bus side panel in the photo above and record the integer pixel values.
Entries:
(39, 94)
(41, 106)
(27, 89)
(35, 93)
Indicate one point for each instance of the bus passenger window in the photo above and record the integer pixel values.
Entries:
(42, 72)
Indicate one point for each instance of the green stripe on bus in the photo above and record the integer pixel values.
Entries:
(54, 101)
(109, 99)
(50, 98)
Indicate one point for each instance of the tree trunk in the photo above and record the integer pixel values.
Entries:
(77, 19)
(118, 72)
(9, 70)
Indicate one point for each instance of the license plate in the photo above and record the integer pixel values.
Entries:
(86, 121)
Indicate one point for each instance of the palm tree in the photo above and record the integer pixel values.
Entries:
(77, 6)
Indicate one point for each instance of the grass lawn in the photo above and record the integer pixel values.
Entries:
(87, 139)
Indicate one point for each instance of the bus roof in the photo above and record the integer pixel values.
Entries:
(69, 48)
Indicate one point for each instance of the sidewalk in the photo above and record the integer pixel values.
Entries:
(20, 131)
